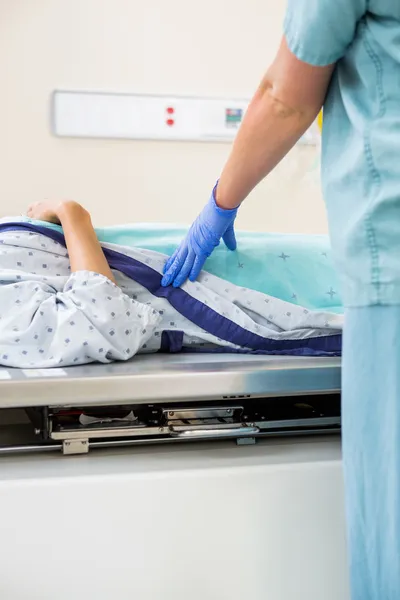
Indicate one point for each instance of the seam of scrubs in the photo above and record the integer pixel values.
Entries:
(379, 71)
(376, 178)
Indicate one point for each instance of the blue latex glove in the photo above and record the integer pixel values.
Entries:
(212, 224)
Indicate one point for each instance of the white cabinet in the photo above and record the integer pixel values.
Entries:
(201, 522)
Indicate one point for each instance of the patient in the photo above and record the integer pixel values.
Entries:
(67, 306)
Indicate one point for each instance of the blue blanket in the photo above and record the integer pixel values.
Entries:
(56, 317)
(295, 268)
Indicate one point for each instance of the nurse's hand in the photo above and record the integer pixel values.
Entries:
(212, 224)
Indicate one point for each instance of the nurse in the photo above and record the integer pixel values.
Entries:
(343, 55)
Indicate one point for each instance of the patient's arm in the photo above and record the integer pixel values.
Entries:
(85, 252)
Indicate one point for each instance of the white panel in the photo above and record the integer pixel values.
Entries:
(130, 116)
(204, 522)
(96, 115)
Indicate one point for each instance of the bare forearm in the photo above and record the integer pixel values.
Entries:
(83, 247)
(269, 130)
(286, 103)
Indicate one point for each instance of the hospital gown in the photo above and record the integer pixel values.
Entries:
(50, 317)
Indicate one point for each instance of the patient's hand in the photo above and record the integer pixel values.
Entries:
(49, 210)
(84, 249)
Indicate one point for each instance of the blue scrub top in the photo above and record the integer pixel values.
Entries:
(361, 136)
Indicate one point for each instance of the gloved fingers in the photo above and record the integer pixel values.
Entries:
(230, 238)
(183, 274)
(170, 260)
(176, 266)
(197, 267)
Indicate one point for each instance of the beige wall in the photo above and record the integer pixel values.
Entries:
(213, 47)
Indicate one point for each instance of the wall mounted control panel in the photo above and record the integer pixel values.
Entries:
(142, 117)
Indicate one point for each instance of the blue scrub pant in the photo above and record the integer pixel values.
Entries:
(371, 449)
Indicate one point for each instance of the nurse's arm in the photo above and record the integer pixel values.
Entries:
(286, 103)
